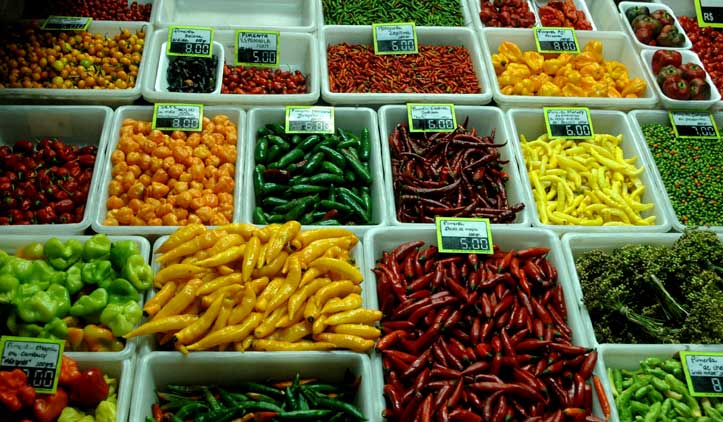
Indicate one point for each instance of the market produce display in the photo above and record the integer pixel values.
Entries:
(316, 179)
(33, 58)
(563, 13)
(45, 182)
(191, 74)
(691, 173)
(679, 81)
(82, 396)
(255, 80)
(297, 399)
(657, 391)
(437, 69)
(605, 190)
(366, 12)
(275, 289)
(109, 10)
(173, 178)
(586, 74)
(706, 42)
(63, 290)
(506, 13)
(656, 28)
(456, 174)
(478, 338)
(656, 294)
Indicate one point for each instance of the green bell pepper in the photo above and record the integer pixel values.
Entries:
(121, 318)
(22, 269)
(96, 271)
(62, 255)
(73, 278)
(138, 273)
(121, 250)
(3, 257)
(120, 290)
(8, 287)
(41, 271)
(90, 304)
(97, 247)
(37, 305)
(55, 329)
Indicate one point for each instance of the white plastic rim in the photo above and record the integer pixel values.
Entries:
(467, 13)
(291, 15)
(426, 35)
(145, 113)
(531, 124)
(606, 15)
(111, 97)
(346, 118)
(161, 80)
(297, 51)
(475, 8)
(640, 118)
(11, 243)
(485, 120)
(74, 125)
(625, 5)
(616, 46)
(580, 5)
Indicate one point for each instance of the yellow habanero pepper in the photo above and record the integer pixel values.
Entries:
(551, 66)
(533, 60)
(592, 69)
(499, 62)
(549, 89)
(636, 87)
(511, 51)
(582, 60)
(595, 49)
(572, 90)
(515, 73)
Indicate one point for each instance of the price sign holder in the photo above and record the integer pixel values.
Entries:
(709, 13)
(190, 41)
(568, 122)
(464, 235)
(309, 119)
(552, 39)
(173, 116)
(395, 38)
(39, 358)
(704, 373)
(699, 125)
(66, 23)
(431, 117)
(257, 48)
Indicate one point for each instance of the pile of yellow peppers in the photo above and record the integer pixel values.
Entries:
(585, 182)
(563, 75)
(274, 288)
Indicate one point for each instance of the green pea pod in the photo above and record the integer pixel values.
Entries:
(313, 163)
(654, 395)
(365, 148)
(334, 156)
(652, 415)
(259, 216)
(262, 150)
(639, 408)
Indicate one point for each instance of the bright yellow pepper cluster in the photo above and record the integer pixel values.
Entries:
(271, 288)
(563, 75)
(585, 182)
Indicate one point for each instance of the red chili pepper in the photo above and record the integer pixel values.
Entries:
(388, 340)
(601, 396)
(463, 415)
(157, 412)
(588, 365)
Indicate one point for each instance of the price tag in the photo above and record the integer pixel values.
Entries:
(193, 41)
(188, 117)
(704, 373)
(395, 38)
(39, 358)
(309, 119)
(556, 40)
(431, 117)
(710, 13)
(257, 48)
(693, 125)
(66, 23)
(464, 235)
(568, 122)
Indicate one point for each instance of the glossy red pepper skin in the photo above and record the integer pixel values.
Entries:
(89, 389)
(699, 89)
(47, 407)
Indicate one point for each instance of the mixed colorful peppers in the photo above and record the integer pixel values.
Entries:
(656, 28)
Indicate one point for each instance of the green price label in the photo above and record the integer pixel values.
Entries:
(704, 373)
(193, 41)
(171, 116)
(431, 117)
(709, 13)
(66, 23)
(568, 122)
(556, 40)
(464, 235)
(309, 119)
(39, 358)
(395, 38)
(693, 124)
(257, 48)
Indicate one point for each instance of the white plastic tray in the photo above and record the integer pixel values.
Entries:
(297, 51)
(159, 369)
(427, 35)
(11, 243)
(531, 123)
(349, 119)
(579, 5)
(161, 79)
(75, 125)
(640, 118)
(112, 97)
(475, 7)
(623, 6)
(291, 15)
(145, 113)
(467, 13)
(576, 244)
(605, 15)
(484, 119)
(616, 46)
(669, 103)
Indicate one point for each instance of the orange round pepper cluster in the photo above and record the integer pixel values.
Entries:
(173, 178)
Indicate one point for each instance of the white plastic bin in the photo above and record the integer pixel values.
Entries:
(348, 119)
(467, 13)
(579, 5)
(161, 81)
(475, 7)
(640, 118)
(605, 15)
(12, 243)
(531, 124)
(484, 119)
(145, 113)
(112, 97)
(291, 15)
(623, 6)
(426, 35)
(297, 51)
(74, 125)
(616, 46)
(159, 369)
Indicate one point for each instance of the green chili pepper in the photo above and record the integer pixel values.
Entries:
(261, 151)
(365, 145)
(259, 216)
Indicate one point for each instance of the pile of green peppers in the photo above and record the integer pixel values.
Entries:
(98, 281)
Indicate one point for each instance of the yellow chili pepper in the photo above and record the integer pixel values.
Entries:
(190, 247)
(359, 330)
(297, 300)
(269, 323)
(336, 305)
(182, 299)
(160, 299)
(305, 238)
(180, 236)
(229, 255)
(224, 270)
(273, 287)
(261, 261)
(250, 255)
(318, 326)
(228, 241)
(223, 315)
(245, 230)
(229, 334)
(309, 275)
(355, 316)
(346, 341)
(159, 325)
(243, 345)
(311, 310)
(288, 287)
(286, 346)
(196, 330)
(244, 308)
(293, 333)
(229, 290)
(218, 282)
(258, 284)
(345, 269)
(334, 289)
(177, 272)
(272, 268)
(317, 248)
(280, 238)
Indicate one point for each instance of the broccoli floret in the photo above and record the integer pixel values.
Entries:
(705, 310)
